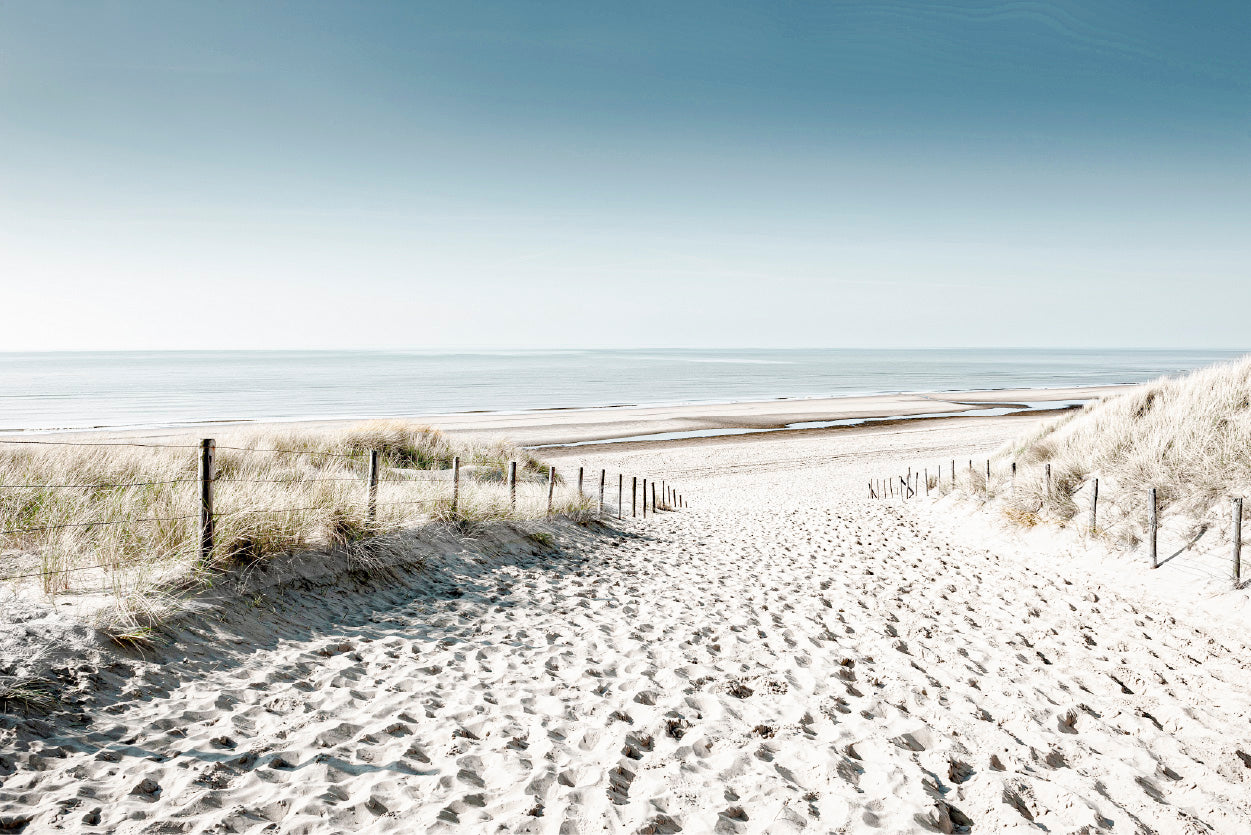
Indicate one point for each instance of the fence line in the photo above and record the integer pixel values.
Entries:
(884, 488)
(375, 475)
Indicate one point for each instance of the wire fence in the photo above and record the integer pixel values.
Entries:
(626, 496)
(911, 484)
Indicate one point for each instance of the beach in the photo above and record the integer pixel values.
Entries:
(785, 654)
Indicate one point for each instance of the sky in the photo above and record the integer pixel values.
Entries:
(178, 175)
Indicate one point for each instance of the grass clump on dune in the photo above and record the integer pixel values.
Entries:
(1188, 437)
(274, 493)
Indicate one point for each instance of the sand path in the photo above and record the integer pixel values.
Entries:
(784, 656)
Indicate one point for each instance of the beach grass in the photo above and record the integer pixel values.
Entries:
(127, 517)
(1189, 437)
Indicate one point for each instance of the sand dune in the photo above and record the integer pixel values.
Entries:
(784, 656)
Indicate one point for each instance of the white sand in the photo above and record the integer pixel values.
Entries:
(785, 655)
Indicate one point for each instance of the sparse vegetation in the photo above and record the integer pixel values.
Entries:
(1189, 437)
(25, 694)
(275, 493)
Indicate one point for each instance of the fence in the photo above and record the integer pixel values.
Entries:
(909, 486)
(199, 515)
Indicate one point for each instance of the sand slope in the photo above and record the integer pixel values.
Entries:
(785, 656)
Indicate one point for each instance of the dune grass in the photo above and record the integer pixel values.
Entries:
(1189, 437)
(275, 493)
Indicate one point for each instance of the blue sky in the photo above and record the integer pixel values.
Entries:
(817, 174)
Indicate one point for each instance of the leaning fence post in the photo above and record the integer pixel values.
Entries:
(1152, 526)
(1237, 542)
(373, 484)
(208, 448)
(551, 488)
(603, 476)
(512, 485)
(634, 497)
(1094, 508)
(455, 483)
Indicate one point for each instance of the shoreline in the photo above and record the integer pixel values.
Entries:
(548, 427)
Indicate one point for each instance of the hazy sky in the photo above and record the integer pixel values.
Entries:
(419, 174)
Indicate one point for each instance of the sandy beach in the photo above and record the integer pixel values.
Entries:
(784, 655)
(540, 427)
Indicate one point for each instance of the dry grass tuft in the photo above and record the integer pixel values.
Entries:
(275, 493)
(1189, 437)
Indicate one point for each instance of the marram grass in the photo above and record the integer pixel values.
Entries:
(1189, 437)
(274, 493)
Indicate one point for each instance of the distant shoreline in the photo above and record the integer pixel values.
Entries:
(600, 424)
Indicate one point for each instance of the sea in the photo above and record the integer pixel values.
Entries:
(61, 391)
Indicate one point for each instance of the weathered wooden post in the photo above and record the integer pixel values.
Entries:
(1094, 508)
(620, 495)
(1153, 526)
(1013, 476)
(644, 498)
(208, 450)
(455, 483)
(953, 472)
(512, 485)
(603, 476)
(653, 497)
(927, 481)
(551, 488)
(373, 485)
(1237, 542)
(1048, 481)
(634, 497)
(580, 481)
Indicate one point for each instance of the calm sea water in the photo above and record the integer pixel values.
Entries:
(40, 391)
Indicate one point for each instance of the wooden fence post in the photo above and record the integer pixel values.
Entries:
(634, 498)
(603, 476)
(653, 497)
(551, 488)
(512, 484)
(455, 483)
(1048, 481)
(1237, 542)
(1153, 526)
(644, 498)
(1094, 508)
(620, 495)
(580, 481)
(373, 484)
(1013, 476)
(208, 450)
(953, 472)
